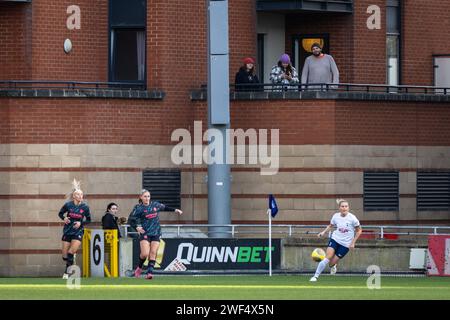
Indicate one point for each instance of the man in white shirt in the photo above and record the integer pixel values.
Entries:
(342, 239)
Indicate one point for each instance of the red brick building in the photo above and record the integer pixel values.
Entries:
(331, 144)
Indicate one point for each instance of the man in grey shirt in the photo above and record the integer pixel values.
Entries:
(319, 68)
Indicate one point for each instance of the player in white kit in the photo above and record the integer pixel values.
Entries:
(342, 239)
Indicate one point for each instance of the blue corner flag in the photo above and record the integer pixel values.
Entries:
(273, 206)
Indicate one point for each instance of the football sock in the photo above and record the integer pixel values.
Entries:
(151, 265)
(321, 267)
(69, 261)
(141, 262)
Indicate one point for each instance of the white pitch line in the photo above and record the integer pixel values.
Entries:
(172, 287)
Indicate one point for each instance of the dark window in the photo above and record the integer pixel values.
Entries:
(381, 191)
(433, 190)
(128, 13)
(127, 24)
(128, 55)
(260, 61)
(164, 186)
(393, 20)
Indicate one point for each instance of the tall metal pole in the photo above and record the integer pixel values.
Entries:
(219, 199)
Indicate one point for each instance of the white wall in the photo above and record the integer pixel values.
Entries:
(273, 26)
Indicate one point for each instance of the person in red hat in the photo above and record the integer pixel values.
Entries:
(246, 76)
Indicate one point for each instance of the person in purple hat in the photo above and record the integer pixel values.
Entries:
(284, 73)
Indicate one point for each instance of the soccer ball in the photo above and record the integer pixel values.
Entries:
(318, 255)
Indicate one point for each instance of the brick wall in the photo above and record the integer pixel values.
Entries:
(369, 46)
(15, 41)
(300, 121)
(88, 60)
(392, 123)
(423, 35)
(242, 30)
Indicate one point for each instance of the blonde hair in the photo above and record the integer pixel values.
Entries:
(76, 187)
(142, 193)
(340, 201)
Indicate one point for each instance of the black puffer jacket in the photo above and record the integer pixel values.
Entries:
(242, 78)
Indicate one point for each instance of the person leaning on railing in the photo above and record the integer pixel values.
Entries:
(284, 73)
(246, 77)
(319, 68)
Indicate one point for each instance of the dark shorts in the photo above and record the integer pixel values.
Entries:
(149, 238)
(69, 238)
(339, 250)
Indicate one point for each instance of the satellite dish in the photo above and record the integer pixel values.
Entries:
(67, 45)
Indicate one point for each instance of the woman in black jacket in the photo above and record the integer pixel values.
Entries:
(246, 76)
(109, 220)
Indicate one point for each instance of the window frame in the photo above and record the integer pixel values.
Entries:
(396, 4)
(111, 63)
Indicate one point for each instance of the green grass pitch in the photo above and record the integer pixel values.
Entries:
(251, 287)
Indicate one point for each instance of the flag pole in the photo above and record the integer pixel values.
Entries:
(270, 242)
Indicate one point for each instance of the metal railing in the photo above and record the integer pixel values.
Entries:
(254, 87)
(341, 87)
(291, 230)
(70, 85)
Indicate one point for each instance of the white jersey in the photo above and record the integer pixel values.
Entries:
(345, 228)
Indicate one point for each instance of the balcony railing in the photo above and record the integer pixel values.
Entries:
(342, 87)
(70, 85)
(345, 6)
(327, 91)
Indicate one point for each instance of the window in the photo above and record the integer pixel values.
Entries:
(381, 191)
(393, 42)
(433, 190)
(164, 186)
(127, 45)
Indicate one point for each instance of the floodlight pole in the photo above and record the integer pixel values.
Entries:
(219, 182)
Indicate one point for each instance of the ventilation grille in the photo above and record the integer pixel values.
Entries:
(381, 192)
(433, 190)
(164, 186)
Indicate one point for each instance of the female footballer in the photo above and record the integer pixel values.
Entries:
(145, 219)
(342, 239)
(75, 214)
